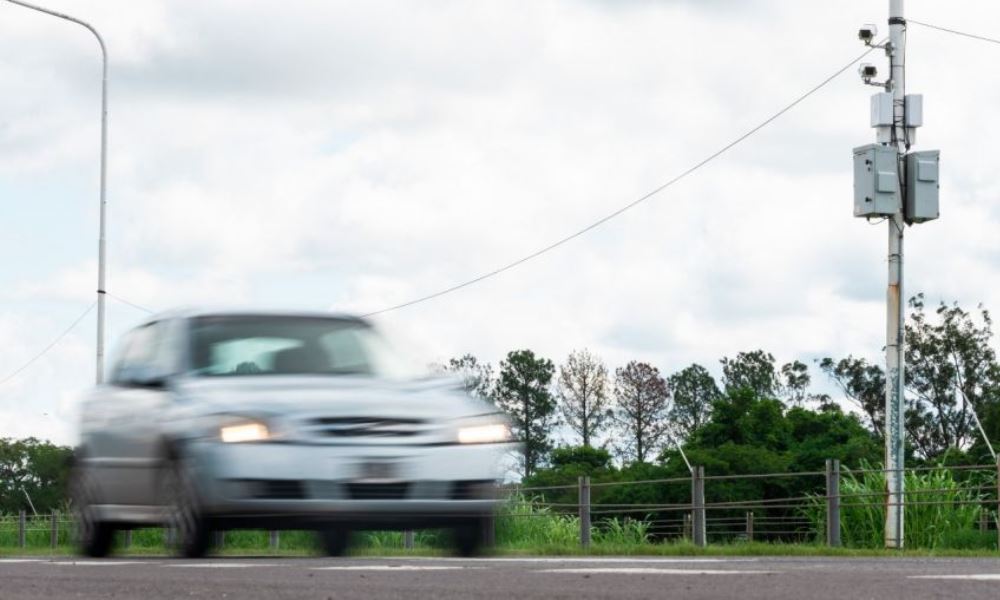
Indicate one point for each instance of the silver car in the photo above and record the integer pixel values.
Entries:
(225, 420)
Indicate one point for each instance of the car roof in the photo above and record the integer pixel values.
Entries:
(195, 312)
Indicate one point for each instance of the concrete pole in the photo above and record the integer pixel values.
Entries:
(894, 404)
(583, 484)
(698, 506)
(833, 502)
(104, 170)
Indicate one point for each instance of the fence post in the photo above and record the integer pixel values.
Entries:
(275, 539)
(583, 484)
(749, 525)
(54, 530)
(687, 526)
(698, 505)
(220, 539)
(408, 539)
(128, 538)
(832, 502)
(22, 528)
(984, 523)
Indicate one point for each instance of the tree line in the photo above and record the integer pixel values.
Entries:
(636, 412)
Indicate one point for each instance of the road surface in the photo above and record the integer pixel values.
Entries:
(501, 578)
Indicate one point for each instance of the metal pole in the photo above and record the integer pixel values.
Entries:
(128, 538)
(749, 526)
(833, 502)
(687, 526)
(104, 170)
(22, 528)
(275, 540)
(408, 539)
(698, 505)
(894, 404)
(583, 483)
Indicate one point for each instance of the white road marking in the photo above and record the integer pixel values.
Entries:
(19, 560)
(652, 571)
(96, 563)
(219, 565)
(972, 577)
(569, 559)
(392, 568)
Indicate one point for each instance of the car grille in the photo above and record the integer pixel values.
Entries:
(477, 489)
(377, 491)
(364, 427)
(275, 489)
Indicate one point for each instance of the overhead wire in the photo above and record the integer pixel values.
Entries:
(955, 31)
(51, 345)
(630, 205)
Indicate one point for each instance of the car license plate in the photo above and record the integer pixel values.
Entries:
(378, 471)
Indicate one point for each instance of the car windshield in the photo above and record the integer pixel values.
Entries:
(256, 345)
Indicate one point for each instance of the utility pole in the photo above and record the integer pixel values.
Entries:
(894, 337)
(901, 188)
(104, 170)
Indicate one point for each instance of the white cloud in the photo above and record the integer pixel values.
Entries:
(357, 155)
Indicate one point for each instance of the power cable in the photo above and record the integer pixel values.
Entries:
(129, 303)
(51, 345)
(955, 31)
(630, 205)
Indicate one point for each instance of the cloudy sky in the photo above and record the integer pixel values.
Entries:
(355, 155)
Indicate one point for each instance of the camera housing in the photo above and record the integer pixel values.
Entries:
(868, 72)
(867, 33)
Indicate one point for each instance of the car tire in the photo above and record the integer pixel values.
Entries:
(93, 537)
(335, 541)
(469, 537)
(187, 530)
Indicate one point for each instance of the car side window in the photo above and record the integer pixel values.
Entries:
(145, 355)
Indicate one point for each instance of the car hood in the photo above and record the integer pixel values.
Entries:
(429, 399)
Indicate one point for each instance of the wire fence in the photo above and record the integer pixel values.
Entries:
(946, 506)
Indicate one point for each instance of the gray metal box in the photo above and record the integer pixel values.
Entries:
(922, 185)
(876, 181)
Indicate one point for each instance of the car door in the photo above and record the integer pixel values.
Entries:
(137, 398)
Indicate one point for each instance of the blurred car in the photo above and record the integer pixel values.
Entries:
(226, 420)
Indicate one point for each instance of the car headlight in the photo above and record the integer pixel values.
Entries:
(244, 432)
(490, 433)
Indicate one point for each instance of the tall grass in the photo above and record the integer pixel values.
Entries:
(940, 511)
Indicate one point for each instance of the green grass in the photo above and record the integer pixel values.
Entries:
(942, 512)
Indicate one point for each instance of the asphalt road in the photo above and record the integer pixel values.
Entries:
(506, 578)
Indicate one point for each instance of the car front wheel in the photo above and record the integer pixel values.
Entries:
(187, 529)
(93, 537)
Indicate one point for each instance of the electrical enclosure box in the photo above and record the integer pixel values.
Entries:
(876, 181)
(881, 109)
(922, 186)
(913, 112)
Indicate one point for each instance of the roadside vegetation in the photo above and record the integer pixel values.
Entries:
(625, 425)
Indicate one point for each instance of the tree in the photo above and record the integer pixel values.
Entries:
(476, 376)
(795, 382)
(751, 370)
(523, 392)
(35, 469)
(951, 374)
(641, 413)
(693, 390)
(864, 384)
(951, 371)
(583, 395)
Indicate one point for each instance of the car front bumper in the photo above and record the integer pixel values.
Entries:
(289, 485)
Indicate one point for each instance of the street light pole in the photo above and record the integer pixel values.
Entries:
(104, 162)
